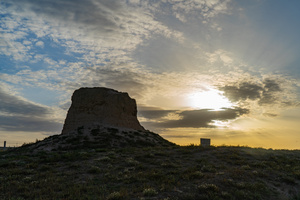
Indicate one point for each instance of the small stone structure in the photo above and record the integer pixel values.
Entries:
(205, 142)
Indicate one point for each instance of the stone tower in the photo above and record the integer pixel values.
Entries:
(101, 107)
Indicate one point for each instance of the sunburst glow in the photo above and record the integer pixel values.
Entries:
(211, 99)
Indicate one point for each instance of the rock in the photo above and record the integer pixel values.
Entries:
(99, 138)
(100, 118)
(101, 107)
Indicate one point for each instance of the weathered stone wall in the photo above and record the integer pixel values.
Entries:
(101, 107)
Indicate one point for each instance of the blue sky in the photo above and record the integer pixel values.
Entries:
(223, 69)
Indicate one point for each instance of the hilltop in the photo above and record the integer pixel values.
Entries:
(101, 118)
(99, 137)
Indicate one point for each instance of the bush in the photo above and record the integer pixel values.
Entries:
(114, 196)
(208, 188)
(149, 192)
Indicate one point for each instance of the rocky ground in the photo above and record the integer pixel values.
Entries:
(99, 137)
(153, 172)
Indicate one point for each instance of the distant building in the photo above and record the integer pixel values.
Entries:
(204, 142)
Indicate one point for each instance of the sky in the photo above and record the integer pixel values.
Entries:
(221, 69)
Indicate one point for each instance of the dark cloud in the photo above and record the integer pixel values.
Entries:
(123, 80)
(28, 124)
(98, 15)
(120, 79)
(271, 87)
(14, 105)
(17, 114)
(265, 93)
(196, 118)
(155, 114)
(203, 118)
(242, 92)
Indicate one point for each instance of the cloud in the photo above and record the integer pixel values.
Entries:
(219, 56)
(270, 115)
(169, 91)
(109, 29)
(100, 16)
(93, 32)
(155, 114)
(195, 118)
(270, 92)
(119, 77)
(16, 105)
(85, 26)
(243, 91)
(19, 114)
(29, 124)
(185, 10)
(40, 44)
(265, 92)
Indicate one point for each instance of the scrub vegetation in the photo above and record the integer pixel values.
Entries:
(175, 172)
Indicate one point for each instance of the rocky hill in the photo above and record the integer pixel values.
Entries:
(100, 137)
(100, 118)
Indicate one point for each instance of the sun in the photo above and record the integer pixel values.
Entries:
(210, 99)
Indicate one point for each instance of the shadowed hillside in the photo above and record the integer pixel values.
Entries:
(99, 137)
(174, 172)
